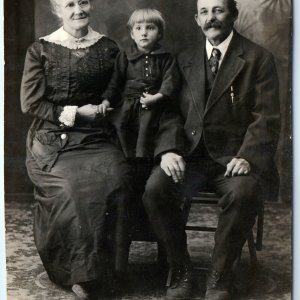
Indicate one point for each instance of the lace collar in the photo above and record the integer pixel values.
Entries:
(63, 38)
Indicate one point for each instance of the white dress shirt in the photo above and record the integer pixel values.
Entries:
(222, 47)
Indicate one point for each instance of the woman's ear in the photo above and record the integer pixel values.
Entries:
(57, 11)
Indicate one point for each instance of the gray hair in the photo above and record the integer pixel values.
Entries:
(54, 5)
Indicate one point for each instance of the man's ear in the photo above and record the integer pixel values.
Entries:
(197, 20)
(236, 16)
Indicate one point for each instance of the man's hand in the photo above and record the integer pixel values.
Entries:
(237, 167)
(173, 165)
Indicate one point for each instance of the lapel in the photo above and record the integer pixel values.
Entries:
(231, 66)
(194, 72)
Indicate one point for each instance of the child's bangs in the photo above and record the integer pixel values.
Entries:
(149, 17)
(145, 15)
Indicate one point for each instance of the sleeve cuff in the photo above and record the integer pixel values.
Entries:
(67, 116)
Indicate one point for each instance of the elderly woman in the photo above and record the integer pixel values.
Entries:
(79, 174)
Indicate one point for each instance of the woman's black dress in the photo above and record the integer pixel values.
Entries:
(80, 177)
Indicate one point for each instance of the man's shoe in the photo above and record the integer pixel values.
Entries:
(181, 285)
(218, 286)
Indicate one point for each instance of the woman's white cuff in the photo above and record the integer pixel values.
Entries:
(67, 117)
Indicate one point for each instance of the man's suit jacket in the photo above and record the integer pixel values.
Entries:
(247, 127)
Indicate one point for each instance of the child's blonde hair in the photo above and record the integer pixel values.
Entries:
(148, 15)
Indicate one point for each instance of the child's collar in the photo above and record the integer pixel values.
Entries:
(134, 53)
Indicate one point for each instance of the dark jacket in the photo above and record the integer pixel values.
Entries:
(246, 126)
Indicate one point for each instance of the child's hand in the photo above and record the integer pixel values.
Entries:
(148, 100)
(104, 107)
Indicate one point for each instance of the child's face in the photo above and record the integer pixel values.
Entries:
(145, 35)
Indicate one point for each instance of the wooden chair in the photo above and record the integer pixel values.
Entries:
(211, 199)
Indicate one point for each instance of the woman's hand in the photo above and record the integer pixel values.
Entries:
(147, 100)
(88, 112)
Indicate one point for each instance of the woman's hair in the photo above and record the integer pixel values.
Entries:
(147, 15)
(54, 5)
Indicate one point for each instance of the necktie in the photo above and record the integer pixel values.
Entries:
(214, 60)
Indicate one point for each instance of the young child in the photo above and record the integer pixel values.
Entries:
(144, 80)
(141, 92)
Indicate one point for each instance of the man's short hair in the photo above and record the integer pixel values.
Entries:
(232, 6)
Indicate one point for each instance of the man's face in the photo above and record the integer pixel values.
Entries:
(215, 19)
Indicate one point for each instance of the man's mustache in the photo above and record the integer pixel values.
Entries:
(213, 24)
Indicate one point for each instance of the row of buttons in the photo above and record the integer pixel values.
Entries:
(147, 66)
(147, 75)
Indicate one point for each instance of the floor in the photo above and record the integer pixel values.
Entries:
(26, 278)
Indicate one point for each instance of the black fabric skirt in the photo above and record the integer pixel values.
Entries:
(81, 217)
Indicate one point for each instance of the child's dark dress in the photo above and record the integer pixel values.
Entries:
(137, 73)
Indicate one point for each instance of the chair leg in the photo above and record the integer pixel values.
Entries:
(161, 256)
(252, 250)
(236, 263)
(186, 209)
(169, 279)
(260, 228)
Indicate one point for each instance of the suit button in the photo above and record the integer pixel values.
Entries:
(63, 136)
(194, 132)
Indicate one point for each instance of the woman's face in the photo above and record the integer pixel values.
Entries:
(75, 14)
